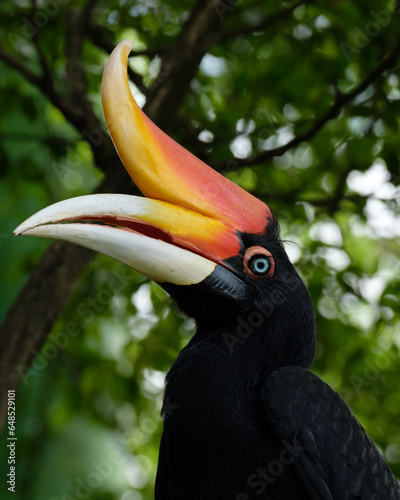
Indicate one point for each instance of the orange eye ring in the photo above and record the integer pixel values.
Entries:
(258, 262)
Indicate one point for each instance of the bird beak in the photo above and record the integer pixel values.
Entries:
(191, 217)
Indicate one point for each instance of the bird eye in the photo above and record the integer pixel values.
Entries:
(259, 265)
(258, 262)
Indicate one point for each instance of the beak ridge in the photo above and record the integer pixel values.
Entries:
(161, 168)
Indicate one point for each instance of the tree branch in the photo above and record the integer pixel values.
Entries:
(16, 64)
(341, 100)
(76, 73)
(198, 35)
(42, 58)
(72, 112)
(263, 24)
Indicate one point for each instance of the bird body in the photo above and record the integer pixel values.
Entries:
(240, 423)
(214, 441)
(244, 418)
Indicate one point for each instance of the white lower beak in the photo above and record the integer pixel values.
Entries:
(161, 261)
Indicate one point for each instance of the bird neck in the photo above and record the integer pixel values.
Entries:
(231, 363)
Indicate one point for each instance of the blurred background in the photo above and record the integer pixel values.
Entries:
(296, 102)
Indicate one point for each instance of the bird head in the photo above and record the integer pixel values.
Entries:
(213, 246)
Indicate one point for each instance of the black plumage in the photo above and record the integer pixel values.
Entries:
(336, 458)
(249, 420)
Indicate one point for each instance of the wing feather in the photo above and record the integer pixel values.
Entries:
(337, 460)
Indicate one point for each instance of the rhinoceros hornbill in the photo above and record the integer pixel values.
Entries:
(245, 418)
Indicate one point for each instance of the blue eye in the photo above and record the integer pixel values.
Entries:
(260, 265)
(258, 262)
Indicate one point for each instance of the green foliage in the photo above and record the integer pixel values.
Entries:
(93, 395)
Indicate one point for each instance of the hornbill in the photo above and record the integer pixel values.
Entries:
(249, 420)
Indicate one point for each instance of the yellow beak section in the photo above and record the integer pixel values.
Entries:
(130, 232)
(154, 218)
